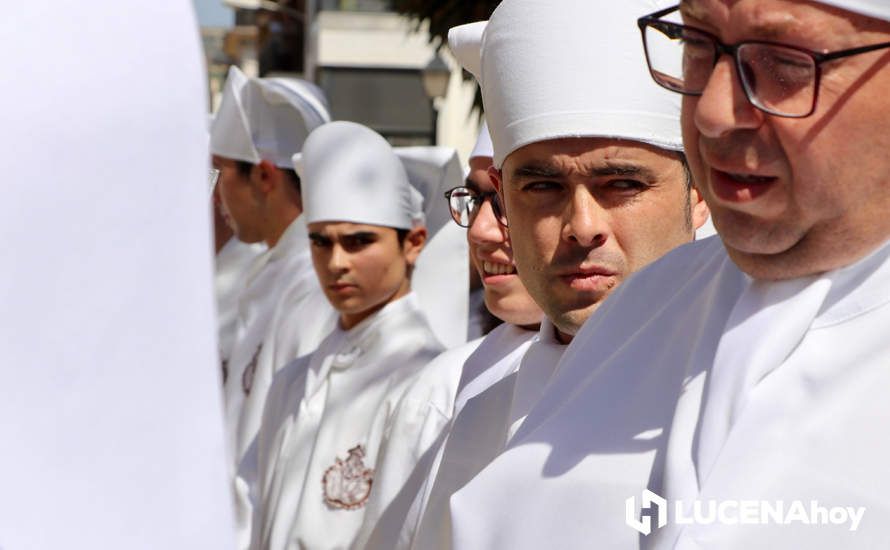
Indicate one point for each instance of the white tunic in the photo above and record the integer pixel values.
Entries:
(481, 429)
(273, 272)
(496, 357)
(698, 383)
(324, 425)
(232, 262)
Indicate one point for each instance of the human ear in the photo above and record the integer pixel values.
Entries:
(700, 211)
(264, 176)
(414, 243)
(496, 177)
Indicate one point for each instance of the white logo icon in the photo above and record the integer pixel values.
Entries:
(736, 512)
(644, 524)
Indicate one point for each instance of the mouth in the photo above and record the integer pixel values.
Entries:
(740, 187)
(342, 287)
(494, 273)
(590, 280)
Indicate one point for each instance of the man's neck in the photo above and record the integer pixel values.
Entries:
(222, 234)
(277, 226)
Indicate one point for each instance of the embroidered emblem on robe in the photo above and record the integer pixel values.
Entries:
(250, 371)
(347, 484)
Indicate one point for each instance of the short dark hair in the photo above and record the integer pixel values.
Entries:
(402, 234)
(689, 182)
(245, 167)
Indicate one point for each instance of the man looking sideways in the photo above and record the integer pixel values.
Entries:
(751, 370)
(589, 198)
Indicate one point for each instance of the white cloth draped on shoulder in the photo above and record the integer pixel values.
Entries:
(112, 428)
(699, 384)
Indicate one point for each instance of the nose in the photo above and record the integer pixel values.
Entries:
(586, 222)
(485, 229)
(723, 106)
(338, 262)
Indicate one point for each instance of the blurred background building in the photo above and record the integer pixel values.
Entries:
(377, 67)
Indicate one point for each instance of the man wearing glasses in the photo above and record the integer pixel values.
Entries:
(743, 382)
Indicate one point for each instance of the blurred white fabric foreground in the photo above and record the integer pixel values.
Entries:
(112, 417)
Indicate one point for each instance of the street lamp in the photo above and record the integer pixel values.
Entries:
(435, 78)
(436, 75)
(267, 5)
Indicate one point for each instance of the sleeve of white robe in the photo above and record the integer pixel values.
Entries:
(110, 399)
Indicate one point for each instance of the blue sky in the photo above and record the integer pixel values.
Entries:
(212, 13)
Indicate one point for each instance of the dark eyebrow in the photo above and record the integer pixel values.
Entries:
(536, 170)
(628, 170)
(360, 235)
(609, 168)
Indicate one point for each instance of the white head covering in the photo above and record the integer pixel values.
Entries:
(484, 147)
(266, 118)
(879, 9)
(566, 68)
(110, 395)
(350, 173)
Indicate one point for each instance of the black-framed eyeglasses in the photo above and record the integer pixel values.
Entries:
(465, 203)
(778, 79)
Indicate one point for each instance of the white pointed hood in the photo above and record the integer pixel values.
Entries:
(266, 118)
(568, 68)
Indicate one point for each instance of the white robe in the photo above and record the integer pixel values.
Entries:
(302, 319)
(326, 415)
(273, 272)
(496, 357)
(418, 424)
(231, 263)
(481, 429)
(698, 383)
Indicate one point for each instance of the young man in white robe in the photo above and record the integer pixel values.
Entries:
(429, 404)
(589, 199)
(260, 125)
(738, 387)
(312, 467)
